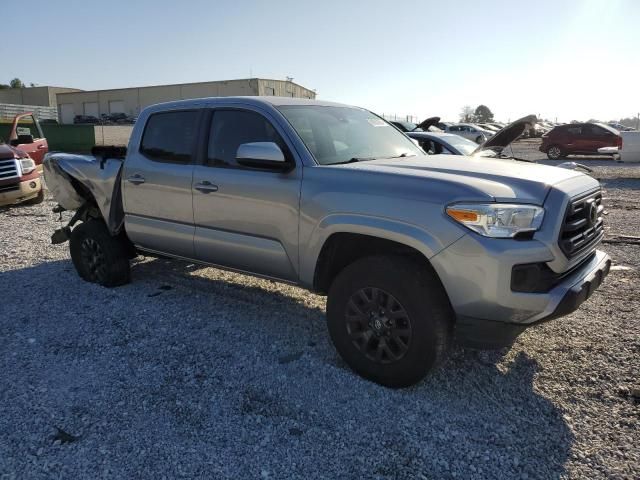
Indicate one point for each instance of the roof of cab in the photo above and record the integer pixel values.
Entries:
(248, 100)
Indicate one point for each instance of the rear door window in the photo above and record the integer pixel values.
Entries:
(170, 136)
(597, 131)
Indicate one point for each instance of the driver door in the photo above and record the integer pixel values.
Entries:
(245, 218)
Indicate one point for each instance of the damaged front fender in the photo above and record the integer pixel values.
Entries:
(75, 180)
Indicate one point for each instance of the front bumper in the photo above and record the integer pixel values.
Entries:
(564, 299)
(21, 192)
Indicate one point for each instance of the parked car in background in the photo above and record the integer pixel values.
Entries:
(26, 135)
(444, 125)
(537, 130)
(21, 162)
(620, 127)
(86, 119)
(471, 131)
(488, 126)
(116, 119)
(428, 125)
(442, 143)
(579, 139)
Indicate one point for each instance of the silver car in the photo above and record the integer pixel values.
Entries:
(412, 250)
(471, 131)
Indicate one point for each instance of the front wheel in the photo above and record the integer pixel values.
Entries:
(389, 319)
(554, 152)
(99, 257)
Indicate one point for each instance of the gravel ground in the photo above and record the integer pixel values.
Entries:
(198, 373)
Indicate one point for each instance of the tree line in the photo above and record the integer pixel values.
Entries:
(15, 83)
(481, 114)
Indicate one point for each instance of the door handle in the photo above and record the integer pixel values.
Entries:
(136, 179)
(206, 187)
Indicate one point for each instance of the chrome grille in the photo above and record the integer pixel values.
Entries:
(8, 169)
(583, 226)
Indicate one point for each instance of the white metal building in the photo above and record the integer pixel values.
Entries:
(132, 100)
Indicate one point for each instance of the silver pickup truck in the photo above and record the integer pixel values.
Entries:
(412, 250)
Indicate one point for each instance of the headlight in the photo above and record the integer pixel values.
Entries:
(27, 165)
(497, 220)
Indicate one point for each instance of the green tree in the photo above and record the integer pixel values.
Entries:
(483, 114)
(16, 83)
(4, 86)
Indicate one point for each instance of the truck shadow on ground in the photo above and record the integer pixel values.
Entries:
(212, 369)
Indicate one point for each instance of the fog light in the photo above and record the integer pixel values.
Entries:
(33, 184)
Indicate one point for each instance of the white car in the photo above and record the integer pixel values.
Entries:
(471, 131)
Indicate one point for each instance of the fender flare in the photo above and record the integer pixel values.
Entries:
(408, 234)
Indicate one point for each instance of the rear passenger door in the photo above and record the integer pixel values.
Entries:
(156, 182)
(246, 218)
(574, 141)
(597, 137)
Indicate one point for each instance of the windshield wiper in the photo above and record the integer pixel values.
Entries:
(354, 160)
(364, 159)
(402, 155)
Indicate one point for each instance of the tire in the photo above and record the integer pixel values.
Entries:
(99, 257)
(419, 302)
(36, 200)
(554, 152)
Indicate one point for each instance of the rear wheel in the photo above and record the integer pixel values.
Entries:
(99, 257)
(554, 152)
(389, 319)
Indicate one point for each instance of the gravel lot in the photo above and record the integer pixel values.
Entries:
(198, 373)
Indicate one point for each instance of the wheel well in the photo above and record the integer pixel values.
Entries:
(342, 249)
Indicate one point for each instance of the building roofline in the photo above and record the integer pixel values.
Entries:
(42, 86)
(185, 84)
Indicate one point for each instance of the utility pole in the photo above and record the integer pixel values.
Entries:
(638, 122)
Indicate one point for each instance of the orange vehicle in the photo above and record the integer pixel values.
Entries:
(21, 162)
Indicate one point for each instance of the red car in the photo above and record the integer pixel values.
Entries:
(579, 139)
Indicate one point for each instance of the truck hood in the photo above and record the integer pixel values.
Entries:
(507, 135)
(429, 122)
(479, 177)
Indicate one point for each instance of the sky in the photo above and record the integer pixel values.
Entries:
(559, 59)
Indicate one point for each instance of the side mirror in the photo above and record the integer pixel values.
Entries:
(266, 155)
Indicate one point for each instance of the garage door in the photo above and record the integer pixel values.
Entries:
(91, 108)
(116, 106)
(65, 110)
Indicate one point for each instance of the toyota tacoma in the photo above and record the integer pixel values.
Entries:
(412, 251)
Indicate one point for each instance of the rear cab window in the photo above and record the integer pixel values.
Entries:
(170, 136)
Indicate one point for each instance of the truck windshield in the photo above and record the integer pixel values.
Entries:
(345, 134)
